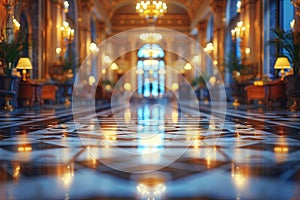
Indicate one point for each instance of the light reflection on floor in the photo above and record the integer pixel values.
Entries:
(168, 147)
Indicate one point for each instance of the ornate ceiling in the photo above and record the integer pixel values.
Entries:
(182, 15)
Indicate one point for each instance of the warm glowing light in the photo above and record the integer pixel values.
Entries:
(238, 6)
(58, 50)
(151, 62)
(175, 116)
(92, 80)
(247, 50)
(67, 175)
(127, 115)
(238, 31)
(127, 86)
(151, 37)
(139, 71)
(212, 80)
(258, 83)
(209, 47)
(107, 60)
(66, 6)
(239, 176)
(16, 24)
(24, 149)
(280, 149)
(196, 59)
(17, 171)
(187, 66)
(103, 71)
(215, 62)
(175, 86)
(282, 63)
(151, 8)
(108, 87)
(151, 52)
(114, 66)
(292, 24)
(67, 32)
(93, 48)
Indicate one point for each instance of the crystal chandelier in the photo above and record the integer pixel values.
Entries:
(151, 9)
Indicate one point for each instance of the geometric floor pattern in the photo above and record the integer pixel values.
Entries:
(149, 151)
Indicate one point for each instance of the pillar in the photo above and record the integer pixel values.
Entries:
(218, 8)
(252, 18)
(133, 62)
(170, 77)
(53, 34)
(85, 28)
(202, 26)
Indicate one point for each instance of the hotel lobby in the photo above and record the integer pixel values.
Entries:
(150, 99)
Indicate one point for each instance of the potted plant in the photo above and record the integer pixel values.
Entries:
(235, 67)
(10, 51)
(289, 42)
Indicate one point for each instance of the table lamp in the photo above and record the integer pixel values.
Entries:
(282, 63)
(24, 63)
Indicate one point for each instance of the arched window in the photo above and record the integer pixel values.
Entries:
(151, 71)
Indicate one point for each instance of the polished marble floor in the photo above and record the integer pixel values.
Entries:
(149, 150)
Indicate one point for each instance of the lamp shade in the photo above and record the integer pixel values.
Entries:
(282, 63)
(24, 63)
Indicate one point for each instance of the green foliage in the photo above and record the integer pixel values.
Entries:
(288, 41)
(10, 52)
(70, 62)
(233, 63)
(200, 81)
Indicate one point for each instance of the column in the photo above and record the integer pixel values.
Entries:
(170, 76)
(253, 36)
(297, 31)
(133, 62)
(202, 26)
(100, 38)
(218, 7)
(85, 28)
(53, 34)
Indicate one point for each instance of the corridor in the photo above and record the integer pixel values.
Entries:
(151, 149)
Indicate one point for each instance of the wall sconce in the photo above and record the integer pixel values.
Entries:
(114, 66)
(127, 86)
(247, 51)
(187, 67)
(93, 48)
(209, 47)
(67, 32)
(292, 24)
(238, 6)
(174, 87)
(17, 25)
(66, 6)
(107, 60)
(58, 51)
(238, 31)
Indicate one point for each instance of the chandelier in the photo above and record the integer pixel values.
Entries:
(151, 9)
(67, 32)
(151, 37)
